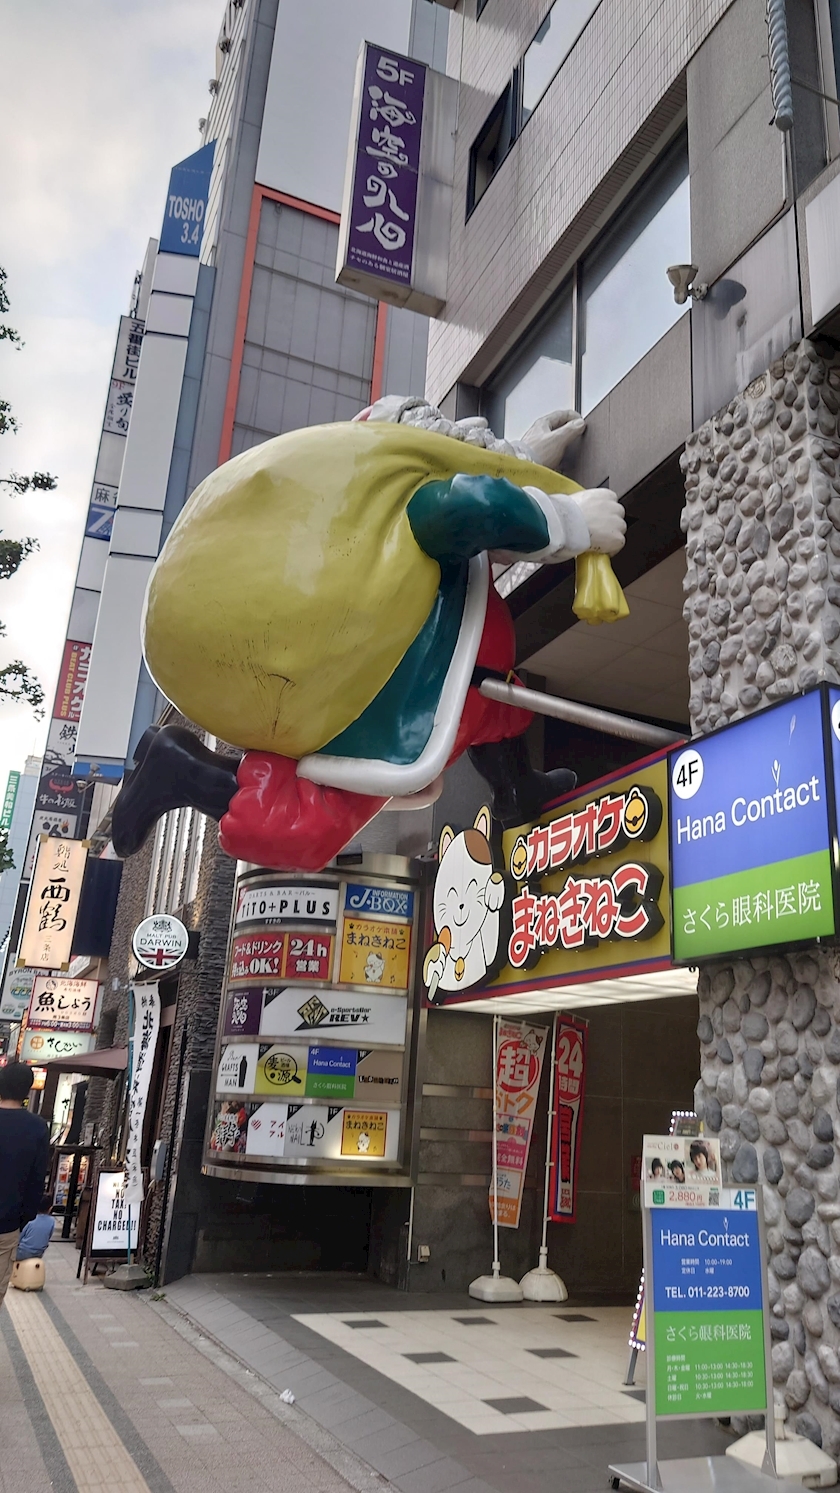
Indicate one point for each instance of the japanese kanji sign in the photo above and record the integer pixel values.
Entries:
(707, 1291)
(751, 833)
(383, 197)
(9, 798)
(63, 1004)
(53, 904)
(72, 679)
(40, 1046)
(585, 888)
(374, 953)
(569, 1081)
(143, 1046)
(520, 1049)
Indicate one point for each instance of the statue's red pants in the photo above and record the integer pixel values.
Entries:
(280, 820)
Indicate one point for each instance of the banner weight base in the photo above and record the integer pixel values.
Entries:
(700, 1475)
(543, 1284)
(496, 1287)
(127, 1278)
(797, 1458)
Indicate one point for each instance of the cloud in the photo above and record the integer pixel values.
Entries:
(99, 100)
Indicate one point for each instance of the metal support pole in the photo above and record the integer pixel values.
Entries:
(577, 714)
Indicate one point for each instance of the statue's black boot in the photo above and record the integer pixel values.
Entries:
(174, 770)
(520, 792)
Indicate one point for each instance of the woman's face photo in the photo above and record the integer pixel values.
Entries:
(677, 1171)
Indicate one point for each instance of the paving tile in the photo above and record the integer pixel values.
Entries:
(429, 1357)
(436, 1477)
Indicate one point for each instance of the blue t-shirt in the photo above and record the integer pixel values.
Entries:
(35, 1237)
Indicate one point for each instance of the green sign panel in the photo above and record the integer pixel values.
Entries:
(708, 1309)
(714, 1366)
(751, 811)
(8, 808)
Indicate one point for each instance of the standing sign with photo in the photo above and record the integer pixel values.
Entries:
(681, 1171)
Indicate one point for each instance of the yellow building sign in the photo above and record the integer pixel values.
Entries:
(583, 892)
(374, 953)
(363, 1133)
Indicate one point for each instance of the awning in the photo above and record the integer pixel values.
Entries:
(657, 985)
(106, 1063)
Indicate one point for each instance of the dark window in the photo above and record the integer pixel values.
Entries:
(479, 6)
(492, 144)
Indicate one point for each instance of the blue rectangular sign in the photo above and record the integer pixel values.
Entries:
(379, 901)
(705, 1258)
(332, 1060)
(186, 203)
(751, 862)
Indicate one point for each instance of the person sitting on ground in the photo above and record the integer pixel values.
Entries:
(36, 1236)
(24, 1154)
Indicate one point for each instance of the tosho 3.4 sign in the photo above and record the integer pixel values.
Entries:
(752, 815)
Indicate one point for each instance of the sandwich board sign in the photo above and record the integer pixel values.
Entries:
(707, 1313)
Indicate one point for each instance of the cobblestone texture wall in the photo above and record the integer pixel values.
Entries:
(762, 520)
(762, 525)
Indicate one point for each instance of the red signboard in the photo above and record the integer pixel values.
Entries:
(71, 681)
(569, 1076)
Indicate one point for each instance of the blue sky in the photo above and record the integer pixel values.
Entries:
(100, 98)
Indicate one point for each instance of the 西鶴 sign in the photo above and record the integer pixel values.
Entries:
(53, 904)
(751, 831)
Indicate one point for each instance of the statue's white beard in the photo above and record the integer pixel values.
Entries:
(474, 431)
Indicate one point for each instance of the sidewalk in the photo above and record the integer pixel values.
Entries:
(440, 1392)
(111, 1392)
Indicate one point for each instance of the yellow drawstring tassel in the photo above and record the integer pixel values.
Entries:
(598, 596)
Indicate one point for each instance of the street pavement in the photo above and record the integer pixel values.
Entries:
(112, 1392)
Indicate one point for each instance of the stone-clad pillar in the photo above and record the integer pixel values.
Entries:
(762, 524)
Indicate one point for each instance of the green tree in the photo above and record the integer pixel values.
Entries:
(17, 682)
(7, 860)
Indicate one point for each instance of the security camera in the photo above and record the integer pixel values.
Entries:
(681, 277)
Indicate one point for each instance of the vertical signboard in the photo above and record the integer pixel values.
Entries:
(53, 904)
(751, 834)
(8, 809)
(143, 1047)
(313, 1034)
(569, 1081)
(383, 195)
(520, 1049)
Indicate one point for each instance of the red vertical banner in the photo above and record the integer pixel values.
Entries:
(569, 1060)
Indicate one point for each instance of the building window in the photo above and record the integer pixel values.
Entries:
(540, 376)
(550, 48)
(492, 144)
(608, 315)
(626, 301)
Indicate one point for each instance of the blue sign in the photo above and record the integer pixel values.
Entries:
(750, 834)
(705, 1258)
(186, 203)
(377, 901)
(332, 1060)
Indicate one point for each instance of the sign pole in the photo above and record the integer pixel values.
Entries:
(650, 1356)
(543, 1284)
(495, 1287)
(128, 1095)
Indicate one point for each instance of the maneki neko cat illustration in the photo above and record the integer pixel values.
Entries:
(468, 897)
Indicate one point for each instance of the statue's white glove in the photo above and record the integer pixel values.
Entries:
(549, 438)
(605, 520)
